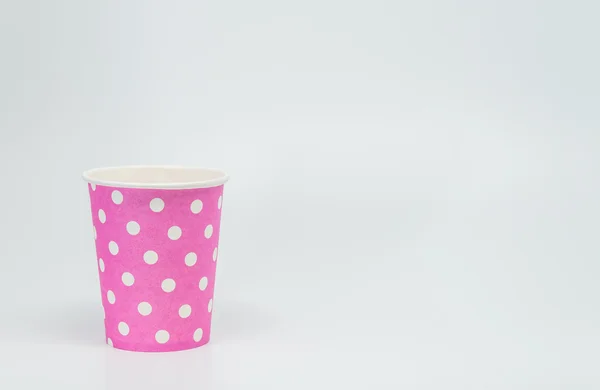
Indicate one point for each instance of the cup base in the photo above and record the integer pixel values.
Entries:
(134, 347)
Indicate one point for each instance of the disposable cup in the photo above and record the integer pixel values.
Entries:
(156, 231)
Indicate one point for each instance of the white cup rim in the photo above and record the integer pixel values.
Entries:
(156, 176)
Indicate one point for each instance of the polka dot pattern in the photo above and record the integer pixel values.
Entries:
(162, 336)
(185, 311)
(144, 308)
(198, 335)
(203, 283)
(168, 285)
(113, 248)
(123, 328)
(174, 233)
(150, 257)
(117, 197)
(110, 297)
(127, 279)
(208, 231)
(196, 206)
(156, 253)
(157, 205)
(191, 259)
(133, 228)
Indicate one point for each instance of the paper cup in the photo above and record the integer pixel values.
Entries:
(157, 244)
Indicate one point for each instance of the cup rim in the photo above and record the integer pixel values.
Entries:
(206, 177)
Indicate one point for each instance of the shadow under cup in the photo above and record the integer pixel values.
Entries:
(157, 244)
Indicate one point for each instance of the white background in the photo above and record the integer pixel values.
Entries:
(414, 193)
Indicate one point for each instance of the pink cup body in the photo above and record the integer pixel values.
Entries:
(156, 251)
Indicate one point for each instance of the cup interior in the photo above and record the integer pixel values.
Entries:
(168, 177)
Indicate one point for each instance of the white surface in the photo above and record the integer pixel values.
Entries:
(415, 201)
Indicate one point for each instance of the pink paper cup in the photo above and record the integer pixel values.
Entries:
(157, 244)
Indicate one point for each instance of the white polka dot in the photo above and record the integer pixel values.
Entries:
(101, 216)
(151, 257)
(196, 206)
(208, 231)
(174, 232)
(190, 259)
(203, 283)
(117, 197)
(198, 335)
(210, 305)
(95, 233)
(93, 186)
(111, 297)
(168, 285)
(113, 248)
(215, 254)
(185, 311)
(162, 336)
(133, 228)
(144, 308)
(157, 205)
(127, 279)
(109, 342)
(101, 264)
(123, 328)
(220, 202)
